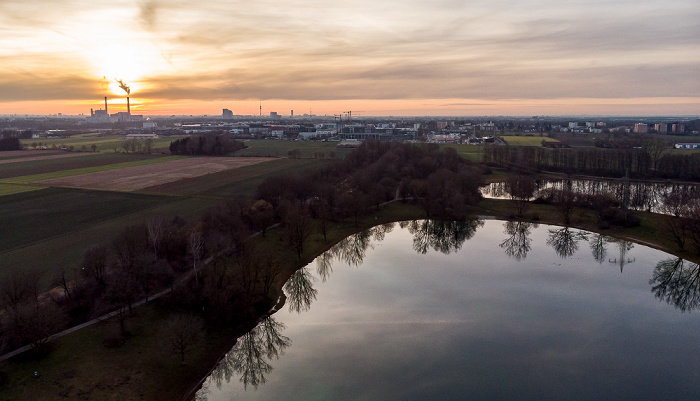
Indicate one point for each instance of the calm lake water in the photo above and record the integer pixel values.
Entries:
(478, 310)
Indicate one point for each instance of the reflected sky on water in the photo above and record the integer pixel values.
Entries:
(571, 315)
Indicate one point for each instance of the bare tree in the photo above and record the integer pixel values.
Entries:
(37, 323)
(564, 200)
(182, 332)
(656, 148)
(196, 248)
(155, 228)
(520, 188)
(261, 214)
(95, 263)
(297, 227)
(61, 279)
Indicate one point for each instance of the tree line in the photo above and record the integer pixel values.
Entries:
(10, 143)
(650, 160)
(206, 145)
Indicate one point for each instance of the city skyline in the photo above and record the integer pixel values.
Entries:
(532, 57)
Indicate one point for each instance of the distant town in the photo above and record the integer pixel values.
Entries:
(348, 128)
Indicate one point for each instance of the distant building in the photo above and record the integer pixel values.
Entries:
(274, 114)
(149, 124)
(678, 128)
(687, 146)
(573, 124)
(661, 128)
(142, 136)
(227, 114)
(641, 128)
(441, 124)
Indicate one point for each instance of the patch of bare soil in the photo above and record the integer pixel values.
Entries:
(135, 178)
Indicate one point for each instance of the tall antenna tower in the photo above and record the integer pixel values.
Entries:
(260, 109)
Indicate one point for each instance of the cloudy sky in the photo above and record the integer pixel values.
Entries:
(389, 57)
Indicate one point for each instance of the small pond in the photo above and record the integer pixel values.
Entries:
(475, 310)
(637, 195)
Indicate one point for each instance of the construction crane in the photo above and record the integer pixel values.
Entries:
(349, 114)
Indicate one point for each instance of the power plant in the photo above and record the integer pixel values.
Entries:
(103, 116)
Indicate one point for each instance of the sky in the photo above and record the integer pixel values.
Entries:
(389, 57)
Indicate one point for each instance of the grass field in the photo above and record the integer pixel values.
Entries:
(281, 148)
(25, 179)
(238, 183)
(25, 168)
(11, 189)
(104, 143)
(50, 228)
(526, 140)
(474, 153)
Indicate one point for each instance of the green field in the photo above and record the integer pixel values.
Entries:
(281, 148)
(104, 143)
(232, 184)
(526, 140)
(11, 189)
(474, 153)
(34, 167)
(50, 228)
(23, 179)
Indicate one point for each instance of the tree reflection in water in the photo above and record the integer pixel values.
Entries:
(324, 265)
(249, 357)
(623, 247)
(677, 282)
(300, 290)
(564, 241)
(442, 235)
(352, 249)
(517, 245)
(598, 244)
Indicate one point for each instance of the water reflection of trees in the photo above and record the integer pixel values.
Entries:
(598, 243)
(300, 290)
(634, 194)
(442, 235)
(517, 244)
(677, 282)
(564, 241)
(249, 357)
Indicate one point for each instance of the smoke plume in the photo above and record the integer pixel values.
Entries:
(123, 86)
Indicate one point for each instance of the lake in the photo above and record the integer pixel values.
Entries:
(637, 195)
(476, 310)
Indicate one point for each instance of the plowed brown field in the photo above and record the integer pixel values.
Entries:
(135, 178)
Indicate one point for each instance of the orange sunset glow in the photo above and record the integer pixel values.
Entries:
(385, 58)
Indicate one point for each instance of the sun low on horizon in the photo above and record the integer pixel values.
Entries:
(445, 58)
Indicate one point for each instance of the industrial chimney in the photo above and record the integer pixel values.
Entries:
(128, 108)
(106, 106)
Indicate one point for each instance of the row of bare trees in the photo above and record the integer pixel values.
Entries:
(652, 158)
